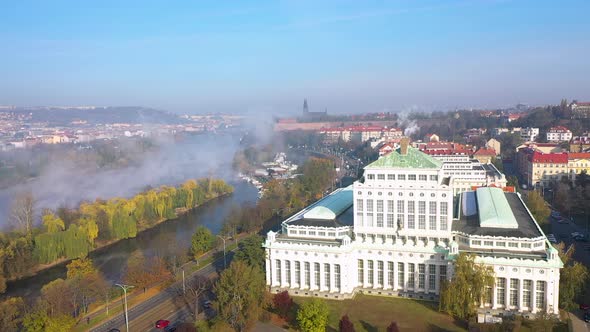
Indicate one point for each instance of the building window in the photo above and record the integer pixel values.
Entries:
(298, 273)
(359, 205)
(501, 291)
(331, 234)
(327, 275)
(401, 177)
(400, 221)
(411, 275)
(431, 277)
(380, 205)
(443, 223)
(432, 208)
(390, 177)
(411, 222)
(390, 274)
(390, 206)
(476, 243)
(316, 274)
(434, 178)
(380, 273)
(421, 222)
(513, 244)
(540, 296)
(337, 276)
(526, 293)
(390, 223)
(488, 243)
(379, 219)
(421, 276)
(306, 274)
(525, 245)
(400, 275)
(411, 207)
(500, 244)
(278, 271)
(288, 271)
(421, 207)
(369, 220)
(370, 272)
(513, 292)
(371, 176)
(400, 207)
(369, 205)
(442, 274)
(432, 223)
(422, 177)
(359, 217)
(312, 233)
(380, 176)
(412, 177)
(361, 272)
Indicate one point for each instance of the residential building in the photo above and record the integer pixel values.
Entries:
(577, 163)
(484, 155)
(494, 144)
(397, 232)
(538, 169)
(580, 143)
(529, 134)
(580, 110)
(499, 131)
(559, 134)
(432, 138)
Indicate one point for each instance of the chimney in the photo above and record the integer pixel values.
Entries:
(403, 150)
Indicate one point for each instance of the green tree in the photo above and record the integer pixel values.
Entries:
(240, 294)
(312, 316)
(251, 252)
(201, 242)
(538, 208)
(34, 321)
(467, 288)
(52, 223)
(80, 267)
(573, 277)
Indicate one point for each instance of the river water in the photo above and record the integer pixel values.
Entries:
(165, 239)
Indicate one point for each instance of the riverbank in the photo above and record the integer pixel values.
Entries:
(105, 245)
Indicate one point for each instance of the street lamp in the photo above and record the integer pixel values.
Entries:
(125, 288)
(219, 236)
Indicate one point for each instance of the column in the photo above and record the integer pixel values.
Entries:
(282, 273)
(494, 297)
(322, 281)
(312, 284)
(385, 275)
(332, 277)
(365, 273)
(395, 278)
(405, 276)
(268, 268)
(533, 307)
(375, 273)
(292, 273)
(520, 288)
(507, 293)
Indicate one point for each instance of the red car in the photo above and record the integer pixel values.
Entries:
(162, 323)
(584, 306)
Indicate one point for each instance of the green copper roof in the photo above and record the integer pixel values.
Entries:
(494, 210)
(413, 159)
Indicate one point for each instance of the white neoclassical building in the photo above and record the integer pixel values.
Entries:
(398, 231)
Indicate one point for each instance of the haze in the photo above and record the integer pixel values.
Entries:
(347, 56)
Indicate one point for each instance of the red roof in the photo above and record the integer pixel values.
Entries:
(559, 129)
(553, 158)
(585, 103)
(579, 155)
(485, 152)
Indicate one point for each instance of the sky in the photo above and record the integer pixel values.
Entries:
(348, 56)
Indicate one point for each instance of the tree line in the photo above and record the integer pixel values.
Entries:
(72, 233)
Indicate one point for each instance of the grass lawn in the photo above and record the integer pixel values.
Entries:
(375, 313)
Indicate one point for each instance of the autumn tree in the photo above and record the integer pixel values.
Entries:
(312, 316)
(282, 303)
(11, 311)
(201, 242)
(240, 294)
(538, 208)
(22, 212)
(573, 277)
(194, 288)
(88, 284)
(467, 288)
(345, 325)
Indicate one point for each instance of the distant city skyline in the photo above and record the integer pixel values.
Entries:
(266, 57)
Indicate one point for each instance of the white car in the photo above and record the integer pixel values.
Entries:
(551, 238)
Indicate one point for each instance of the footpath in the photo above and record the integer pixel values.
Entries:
(103, 313)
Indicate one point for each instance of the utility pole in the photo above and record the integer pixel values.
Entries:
(125, 288)
(183, 285)
(219, 236)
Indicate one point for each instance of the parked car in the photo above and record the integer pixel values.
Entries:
(172, 327)
(575, 234)
(587, 317)
(162, 323)
(555, 214)
(584, 306)
(551, 238)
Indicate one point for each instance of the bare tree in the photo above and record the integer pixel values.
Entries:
(23, 212)
(194, 289)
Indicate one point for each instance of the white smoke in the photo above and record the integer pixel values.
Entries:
(410, 126)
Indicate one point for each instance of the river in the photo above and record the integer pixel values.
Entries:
(167, 238)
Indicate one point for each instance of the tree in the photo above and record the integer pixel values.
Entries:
(22, 212)
(312, 316)
(240, 294)
(460, 296)
(538, 208)
(345, 325)
(282, 303)
(201, 242)
(543, 322)
(393, 327)
(573, 277)
(11, 310)
(52, 223)
(80, 267)
(251, 252)
(195, 288)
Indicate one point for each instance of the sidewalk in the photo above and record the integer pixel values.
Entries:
(577, 323)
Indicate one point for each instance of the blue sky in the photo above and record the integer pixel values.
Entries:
(266, 56)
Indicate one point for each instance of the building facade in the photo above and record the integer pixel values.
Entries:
(559, 134)
(529, 134)
(398, 231)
